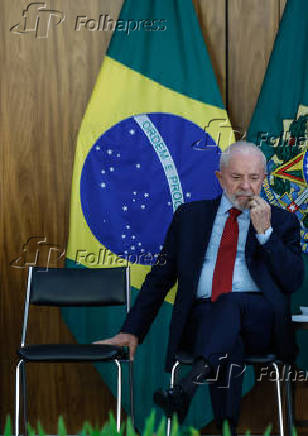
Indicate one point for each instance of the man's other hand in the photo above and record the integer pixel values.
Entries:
(260, 214)
(122, 340)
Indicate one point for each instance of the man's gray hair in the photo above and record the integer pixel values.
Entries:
(240, 147)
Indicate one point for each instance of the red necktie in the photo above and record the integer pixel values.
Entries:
(223, 272)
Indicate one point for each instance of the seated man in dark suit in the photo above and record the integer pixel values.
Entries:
(237, 261)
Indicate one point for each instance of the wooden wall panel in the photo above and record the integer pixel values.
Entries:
(282, 4)
(45, 86)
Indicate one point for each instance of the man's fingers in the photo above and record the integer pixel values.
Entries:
(104, 342)
(132, 351)
(260, 214)
(252, 203)
(257, 203)
(119, 340)
(256, 198)
(122, 340)
(131, 354)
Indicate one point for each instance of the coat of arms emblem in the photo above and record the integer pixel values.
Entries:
(286, 184)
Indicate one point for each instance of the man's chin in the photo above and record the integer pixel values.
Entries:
(241, 203)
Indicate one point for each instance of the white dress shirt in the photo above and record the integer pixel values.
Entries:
(241, 280)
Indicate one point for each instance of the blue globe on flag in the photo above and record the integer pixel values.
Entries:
(136, 175)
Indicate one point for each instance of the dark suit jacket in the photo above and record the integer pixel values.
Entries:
(276, 267)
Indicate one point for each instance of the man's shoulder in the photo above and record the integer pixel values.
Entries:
(283, 215)
(197, 206)
(279, 211)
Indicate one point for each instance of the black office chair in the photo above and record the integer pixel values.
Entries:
(74, 287)
(183, 358)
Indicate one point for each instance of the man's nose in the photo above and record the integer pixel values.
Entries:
(245, 184)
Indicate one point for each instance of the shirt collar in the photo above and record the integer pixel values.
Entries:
(225, 204)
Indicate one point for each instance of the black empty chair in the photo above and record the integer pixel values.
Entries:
(73, 287)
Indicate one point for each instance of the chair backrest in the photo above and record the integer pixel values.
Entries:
(78, 286)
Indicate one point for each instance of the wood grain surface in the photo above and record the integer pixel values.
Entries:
(45, 86)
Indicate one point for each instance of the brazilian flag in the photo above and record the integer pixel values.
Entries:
(280, 127)
(149, 141)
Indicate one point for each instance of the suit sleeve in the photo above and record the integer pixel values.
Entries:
(283, 256)
(157, 283)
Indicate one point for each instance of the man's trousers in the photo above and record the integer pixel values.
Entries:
(223, 333)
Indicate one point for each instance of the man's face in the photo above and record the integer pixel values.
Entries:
(242, 178)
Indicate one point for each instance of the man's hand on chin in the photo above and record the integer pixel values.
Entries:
(122, 340)
(260, 214)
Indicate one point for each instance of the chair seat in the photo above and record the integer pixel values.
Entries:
(184, 358)
(261, 358)
(187, 359)
(71, 353)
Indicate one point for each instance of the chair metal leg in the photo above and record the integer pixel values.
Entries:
(17, 396)
(119, 394)
(289, 395)
(277, 378)
(174, 373)
(131, 391)
(25, 403)
(171, 385)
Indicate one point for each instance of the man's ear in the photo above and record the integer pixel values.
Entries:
(219, 176)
